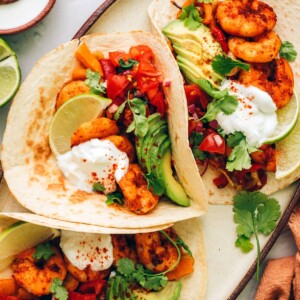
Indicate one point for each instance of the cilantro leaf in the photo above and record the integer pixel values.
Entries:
(98, 187)
(155, 283)
(224, 64)
(191, 17)
(58, 290)
(254, 212)
(235, 138)
(154, 185)
(239, 157)
(93, 81)
(288, 51)
(115, 197)
(181, 243)
(195, 140)
(43, 251)
(125, 266)
(118, 113)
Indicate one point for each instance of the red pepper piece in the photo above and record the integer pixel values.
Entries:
(94, 287)
(220, 37)
(78, 296)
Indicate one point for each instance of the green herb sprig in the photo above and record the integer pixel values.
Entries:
(254, 213)
(93, 81)
(138, 108)
(288, 51)
(223, 64)
(127, 275)
(115, 197)
(154, 185)
(191, 17)
(98, 187)
(58, 290)
(43, 251)
(223, 102)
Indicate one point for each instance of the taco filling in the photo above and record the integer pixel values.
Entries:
(79, 265)
(125, 152)
(237, 79)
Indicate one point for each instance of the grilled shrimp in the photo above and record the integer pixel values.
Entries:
(86, 274)
(37, 276)
(246, 18)
(123, 246)
(155, 251)
(123, 144)
(98, 128)
(137, 197)
(262, 49)
(70, 90)
(276, 78)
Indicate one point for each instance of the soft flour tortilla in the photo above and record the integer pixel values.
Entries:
(194, 285)
(30, 168)
(162, 12)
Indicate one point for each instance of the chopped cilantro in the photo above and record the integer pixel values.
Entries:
(59, 291)
(93, 81)
(181, 243)
(196, 139)
(191, 17)
(154, 185)
(288, 51)
(223, 64)
(98, 187)
(115, 197)
(43, 251)
(254, 212)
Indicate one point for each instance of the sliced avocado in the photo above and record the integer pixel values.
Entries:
(159, 127)
(163, 173)
(189, 44)
(170, 292)
(152, 119)
(183, 52)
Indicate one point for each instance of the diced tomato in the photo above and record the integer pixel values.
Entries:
(213, 143)
(241, 174)
(220, 181)
(147, 69)
(116, 84)
(107, 67)
(159, 102)
(146, 83)
(141, 53)
(116, 56)
(78, 296)
(94, 287)
(195, 95)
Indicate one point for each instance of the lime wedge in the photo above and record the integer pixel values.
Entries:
(22, 236)
(70, 116)
(288, 154)
(5, 50)
(10, 78)
(287, 118)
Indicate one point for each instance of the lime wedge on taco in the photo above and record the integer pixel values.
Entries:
(80, 109)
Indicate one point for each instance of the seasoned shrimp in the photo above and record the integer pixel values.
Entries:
(37, 276)
(137, 197)
(123, 144)
(246, 18)
(86, 274)
(123, 246)
(98, 128)
(262, 49)
(70, 90)
(155, 251)
(276, 78)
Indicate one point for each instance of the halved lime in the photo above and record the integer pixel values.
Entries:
(10, 78)
(22, 236)
(5, 50)
(288, 153)
(70, 116)
(287, 118)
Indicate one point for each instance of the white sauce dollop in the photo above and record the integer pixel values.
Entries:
(94, 161)
(87, 249)
(255, 115)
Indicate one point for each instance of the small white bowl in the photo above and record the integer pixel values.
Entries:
(22, 14)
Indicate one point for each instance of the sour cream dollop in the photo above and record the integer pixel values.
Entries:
(87, 249)
(94, 161)
(255, 115)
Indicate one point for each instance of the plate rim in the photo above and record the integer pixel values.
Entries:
(31, 23)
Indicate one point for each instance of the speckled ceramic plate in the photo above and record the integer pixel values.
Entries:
(22, 14)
